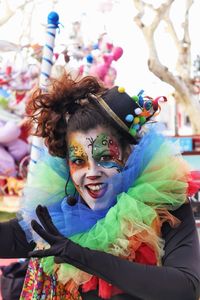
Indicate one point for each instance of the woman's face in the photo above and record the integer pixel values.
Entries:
(93, 157)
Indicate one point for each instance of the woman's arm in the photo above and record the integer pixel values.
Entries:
(177, 279)
(13, 240)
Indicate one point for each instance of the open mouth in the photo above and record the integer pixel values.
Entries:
(96, 190)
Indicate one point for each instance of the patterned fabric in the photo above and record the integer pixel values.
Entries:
(40, 286)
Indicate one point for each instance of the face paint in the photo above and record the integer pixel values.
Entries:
(93, 158)
(106, 152)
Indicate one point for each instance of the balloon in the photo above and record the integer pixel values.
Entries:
(89, 58)
(117, 53)
(109, 46)
(81, 70)
(99, 70)
(110, 77)
(108, 58)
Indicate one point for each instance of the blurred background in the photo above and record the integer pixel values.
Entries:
(140, 45)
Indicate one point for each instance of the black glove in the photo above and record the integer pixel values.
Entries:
(51, 235)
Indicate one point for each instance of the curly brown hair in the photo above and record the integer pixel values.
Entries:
(57, 112)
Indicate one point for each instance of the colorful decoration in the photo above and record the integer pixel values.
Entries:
(130, 113)
(102, 68)
(12, 148)
(11, 186)
(14, 144)
(97, 59)
(148, 107)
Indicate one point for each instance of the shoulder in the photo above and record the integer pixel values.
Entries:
(185, 215)
(184, 211)
(182, 243)
(184, 235)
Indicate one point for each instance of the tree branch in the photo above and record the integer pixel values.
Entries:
(181, 82)
(154, 63)
(8, 12)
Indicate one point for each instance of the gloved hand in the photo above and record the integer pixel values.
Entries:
(51, 235)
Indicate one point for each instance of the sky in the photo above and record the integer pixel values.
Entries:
(132, 70)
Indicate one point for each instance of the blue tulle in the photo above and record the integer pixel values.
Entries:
(68, 219)
(74, 219)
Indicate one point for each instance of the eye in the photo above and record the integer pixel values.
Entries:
(78, 161)
(107, 157)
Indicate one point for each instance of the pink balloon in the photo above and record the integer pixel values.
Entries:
(81, 70)
(108, 58)
(93, 70)
(110, 77)
(117, 53)
(99, 70)
(109, 46)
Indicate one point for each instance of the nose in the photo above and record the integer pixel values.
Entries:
(94, 171)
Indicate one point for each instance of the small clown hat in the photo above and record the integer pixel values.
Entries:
(130, 113)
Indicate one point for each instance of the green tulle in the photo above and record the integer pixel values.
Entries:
(51, 184)
(163, 184)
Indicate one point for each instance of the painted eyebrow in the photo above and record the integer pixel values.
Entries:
(105, 152)
(77, 156)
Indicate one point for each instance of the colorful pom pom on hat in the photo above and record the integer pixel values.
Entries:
(130, 113)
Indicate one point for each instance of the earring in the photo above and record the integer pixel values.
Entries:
(71, 200)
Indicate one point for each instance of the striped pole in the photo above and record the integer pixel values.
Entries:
(46, 66)
(47, 58)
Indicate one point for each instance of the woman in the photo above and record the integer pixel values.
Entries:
(125, 230)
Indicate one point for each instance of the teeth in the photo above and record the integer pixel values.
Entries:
(95, 187)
